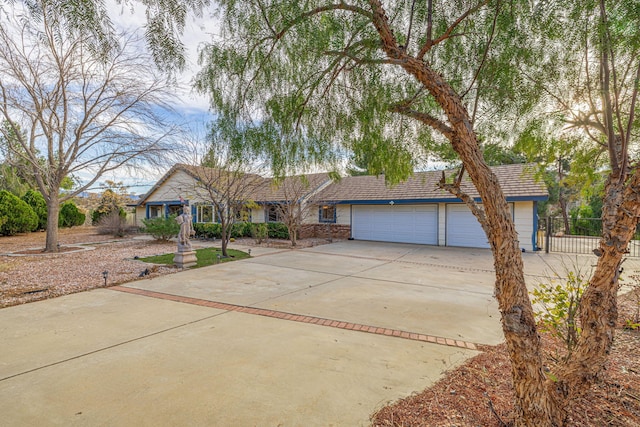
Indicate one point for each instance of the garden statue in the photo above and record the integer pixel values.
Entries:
(185, 257)
(186, 230)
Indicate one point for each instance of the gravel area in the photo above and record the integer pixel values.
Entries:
(41, 276)
(86, 255)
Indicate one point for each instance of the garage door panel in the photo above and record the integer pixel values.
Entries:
(463, 228)
(403, 224)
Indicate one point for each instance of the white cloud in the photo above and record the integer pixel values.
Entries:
(197, 30)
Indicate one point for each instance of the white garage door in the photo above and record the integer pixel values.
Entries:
(463, 229)
(396, 223)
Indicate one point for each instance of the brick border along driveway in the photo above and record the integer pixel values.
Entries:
(301, 318)
(423, 293)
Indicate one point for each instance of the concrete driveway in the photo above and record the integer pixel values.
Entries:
(316, 337)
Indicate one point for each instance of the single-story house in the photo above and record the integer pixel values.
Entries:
(364, 207)
(195, 186)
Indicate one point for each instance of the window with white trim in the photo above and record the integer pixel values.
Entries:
(273, 214)
(155, 211)
(204, 213)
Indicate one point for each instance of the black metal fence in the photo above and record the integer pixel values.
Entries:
(577, 235)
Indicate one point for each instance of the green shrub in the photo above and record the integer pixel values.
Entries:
(161, 228)
(18, 215)
(248, 229)
(39, 205)
(277, 230)
(559, 304)
(260, 232)
(240, 229)
(209, 230)
(70, 215)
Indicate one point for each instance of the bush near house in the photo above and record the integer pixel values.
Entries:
(34, 199)
(114, 223)
(276, 230)
(70, 215)
(260, 232)
(207, 230)
(241, 229)
(16, 216)
(161, 228)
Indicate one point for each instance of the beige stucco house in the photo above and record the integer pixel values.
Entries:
(363, 207)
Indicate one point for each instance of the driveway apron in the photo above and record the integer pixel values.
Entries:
(316, 337)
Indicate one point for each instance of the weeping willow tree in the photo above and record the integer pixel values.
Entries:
(399, 81)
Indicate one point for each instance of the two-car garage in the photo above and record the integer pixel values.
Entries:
(419, 211)
(417, 224)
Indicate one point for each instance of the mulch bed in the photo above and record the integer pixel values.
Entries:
(480, 392)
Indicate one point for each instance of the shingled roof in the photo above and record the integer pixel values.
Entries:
(518, 183)
(299, 185)
(261, 189)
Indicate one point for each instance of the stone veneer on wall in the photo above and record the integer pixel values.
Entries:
(327, 231)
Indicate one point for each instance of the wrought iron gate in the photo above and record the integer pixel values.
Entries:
(577, 235)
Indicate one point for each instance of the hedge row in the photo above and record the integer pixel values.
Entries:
(276, 230)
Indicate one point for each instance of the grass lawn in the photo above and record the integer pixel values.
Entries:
(204, 257)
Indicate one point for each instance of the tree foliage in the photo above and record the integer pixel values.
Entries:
(315, 76)
(16, 216)
(111, 200)
(165, 24)
(39, 206)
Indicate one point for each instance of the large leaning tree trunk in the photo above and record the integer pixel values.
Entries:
(534, 406)
(598, 307)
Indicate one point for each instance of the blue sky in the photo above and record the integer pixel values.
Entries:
(192, 108)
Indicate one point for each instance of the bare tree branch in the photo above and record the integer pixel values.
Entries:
(79, 112)
(448, 32)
